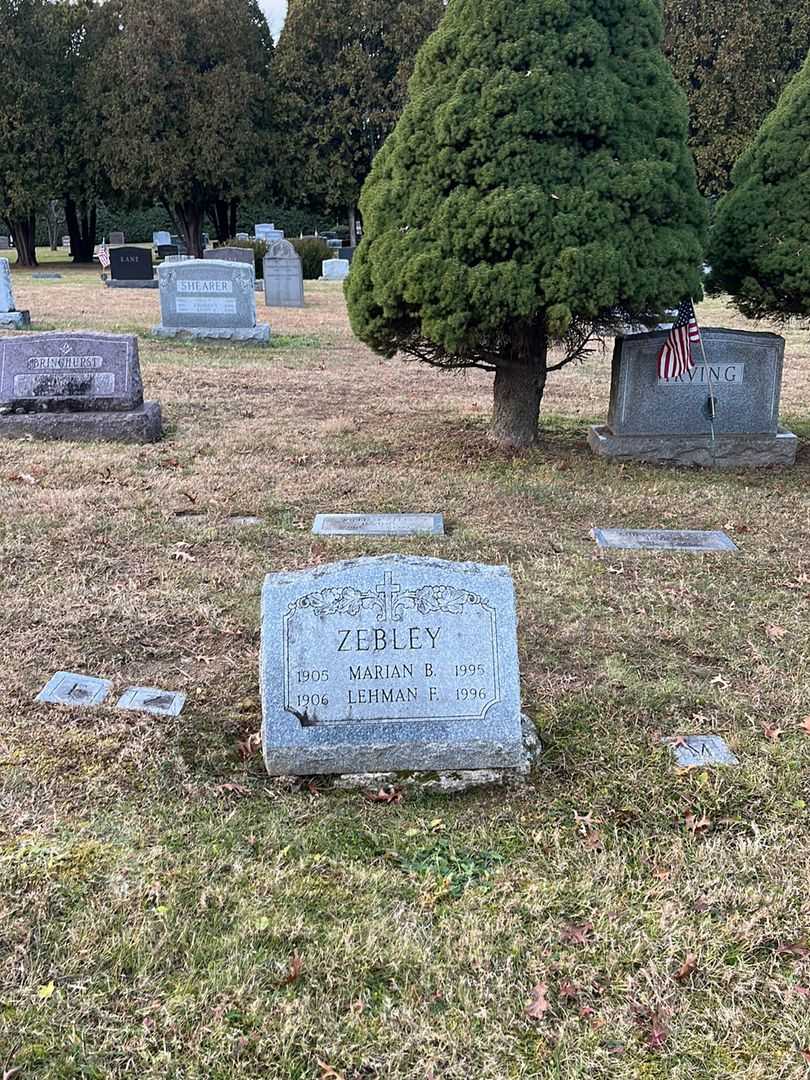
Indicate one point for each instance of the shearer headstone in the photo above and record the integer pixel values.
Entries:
(692, 751)
(5, 243)
(232, 254)
(75, 385)
(687, 540)
(165, 250)
(668, 421)
(67, 688)
(283, 276)
(379, 525)
(9, 316)
(388, 664)
(131, 268)
(334, 269)
(268, 233)
(150, 700)
(161, 237)
(209, 298)
(116, 238)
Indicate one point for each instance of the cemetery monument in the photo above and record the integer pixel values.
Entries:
(669, 422)
(10, 317)
(283, 276)
(335, 269)
(75, 385)
(209, 298)
(131, 268)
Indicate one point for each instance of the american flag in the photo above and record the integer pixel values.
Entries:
(676, 356)
(104, 255)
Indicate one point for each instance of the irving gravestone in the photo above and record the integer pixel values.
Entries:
(390, 663)
(668, 420)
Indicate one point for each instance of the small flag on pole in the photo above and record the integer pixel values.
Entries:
(104, 255)
(676, 356)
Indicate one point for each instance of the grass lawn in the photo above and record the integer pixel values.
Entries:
(167, 911)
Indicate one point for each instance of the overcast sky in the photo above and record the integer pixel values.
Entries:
(275, 10)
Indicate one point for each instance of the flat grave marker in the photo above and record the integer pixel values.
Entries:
(379, 525)
(695, 750)
(46, 275)
(148, 699)
(687, 540)
(390, 663)
(68, 688)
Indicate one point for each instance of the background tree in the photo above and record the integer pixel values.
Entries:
(33, 47)
(760, 243)
(186, 105)
(733, 59)
(343, 68)
(537, 185)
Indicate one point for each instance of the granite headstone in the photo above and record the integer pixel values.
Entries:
(335, 269)
(75, 385)
(9, 315)
(161, 237)
(116, 238)
(232, 254)
(379, 525)
(148, 699)
(131, 267)
(283, 276)
(165, 250)
(668, 421)
(5, 243)
(68, 688)
(388, 664)
(688, 540)
(268, 233)
(209, 298)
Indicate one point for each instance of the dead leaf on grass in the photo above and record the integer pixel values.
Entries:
(294, 971)
(771, 731)
(388, 794)
(231, 788)
(697, 826)
(805, 725)
(593, 841)
(327, 1072)
(687, 968)
(577, 933)
(539, 1004)
(775, 633)
(798, 949)
(568, 990)
(658, 1033)
(249, 746)
(806, 1055)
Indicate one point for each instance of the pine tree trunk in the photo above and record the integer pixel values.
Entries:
(24, 231)
(190, 219)
(519, 385)
(81, 228)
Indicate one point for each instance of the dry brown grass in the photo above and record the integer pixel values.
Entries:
(162, 884)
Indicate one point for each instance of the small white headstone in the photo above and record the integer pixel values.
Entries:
(335, 269)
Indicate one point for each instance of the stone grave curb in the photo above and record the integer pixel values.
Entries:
(142, 425)
(730, 451)
(259, 333)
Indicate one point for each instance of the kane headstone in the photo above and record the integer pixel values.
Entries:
(389, 664)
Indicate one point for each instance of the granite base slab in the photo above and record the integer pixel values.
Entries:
(259, 333)
(153, 284)
(142, 425)
(729, 451)
(448, 782)
(15, 320)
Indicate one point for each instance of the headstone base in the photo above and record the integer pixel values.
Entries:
(141, 425)
(448, 782)
(729, 451)
(15, 320)
(153, 284)
(260, 332)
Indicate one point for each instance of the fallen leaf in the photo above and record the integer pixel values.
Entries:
(358, 1007)
(802, 991)
(587, 821)
(388, 794)
(231, 789)
(539, 1004)
(680, 741)
(718, 680)
(327, 1072)
(593, 841)
(805, 725)
(568, 990)
(775, 633)
(23, 478)
(46, 991)
(771, 731)
(806, 1055)
(294, 971)
(658, 1032)
(249, 746)
(574, 934)
(687, 968)
(799, 949)
(703, 903)
(697, 825)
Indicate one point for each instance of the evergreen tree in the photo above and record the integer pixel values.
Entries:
(537, 188)
(760, 242)
(342, 67)
(186, 105)
(733, 60)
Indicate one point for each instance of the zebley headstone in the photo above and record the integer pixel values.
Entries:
(688, 540)
(335, 269)
(389, 664)
(283, 276)
(379, 525)
(116, 238)
(668, 421)
(131, 268)
(75, 385)
(9, 316)
(209, 298)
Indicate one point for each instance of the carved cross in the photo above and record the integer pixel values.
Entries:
(388, 592)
